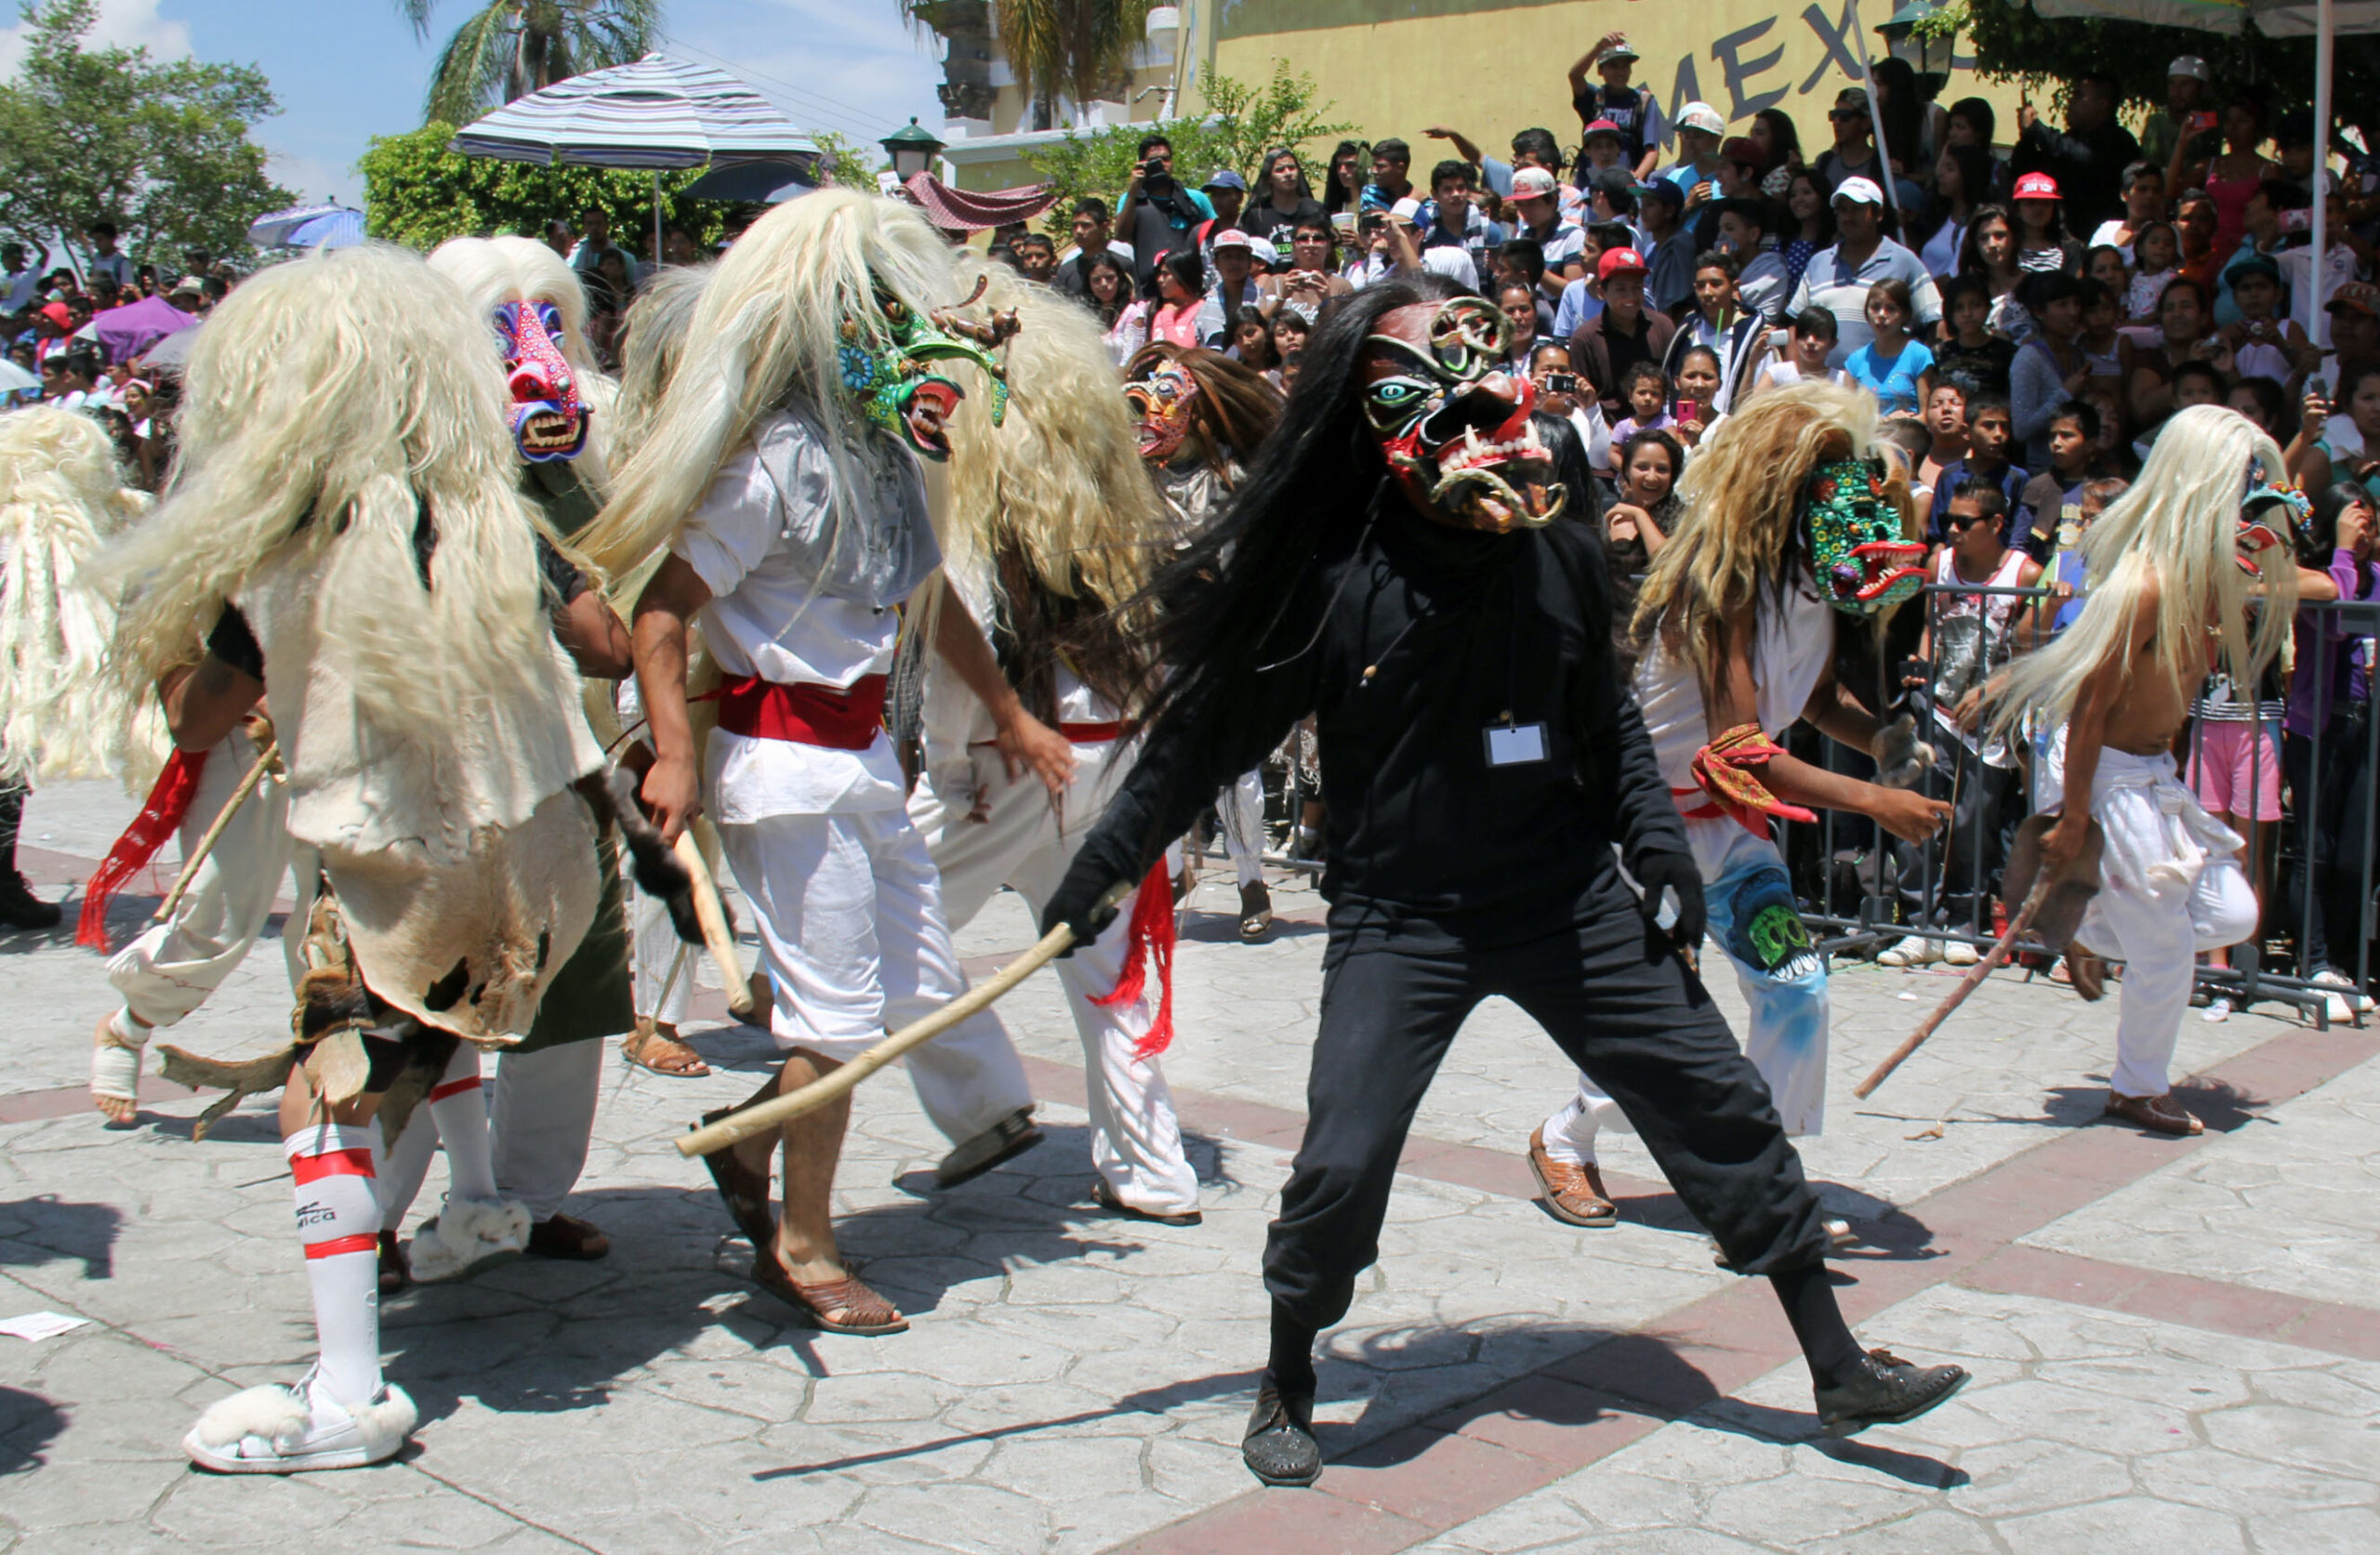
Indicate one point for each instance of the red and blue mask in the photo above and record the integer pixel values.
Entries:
(549, 418)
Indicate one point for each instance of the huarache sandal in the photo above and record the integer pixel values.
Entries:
(2159, 1115)
(657, 1049)
(845, 1306)
(744, 1191)
(567, 1236)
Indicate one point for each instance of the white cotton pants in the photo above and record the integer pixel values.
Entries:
(2171, 886)
(541, 1120)
(171, 968)
(1243, 815)
(849, 909)
(1025, 841)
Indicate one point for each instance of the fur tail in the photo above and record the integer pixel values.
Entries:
(658, 873)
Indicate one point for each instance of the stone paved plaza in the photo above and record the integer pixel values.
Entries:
(2177, 1345)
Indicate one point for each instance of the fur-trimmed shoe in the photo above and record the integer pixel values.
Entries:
(467, 1236)
(275, 1429)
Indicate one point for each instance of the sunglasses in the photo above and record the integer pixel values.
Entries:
(1961, 520)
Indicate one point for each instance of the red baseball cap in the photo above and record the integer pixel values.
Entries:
(2037, 186)
(1616, 261)
(55, 313)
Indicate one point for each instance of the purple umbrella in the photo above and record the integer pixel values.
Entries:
(126, 332)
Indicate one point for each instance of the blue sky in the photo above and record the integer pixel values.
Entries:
(349, 70)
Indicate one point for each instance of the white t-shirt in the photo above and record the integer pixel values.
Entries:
(770, 616)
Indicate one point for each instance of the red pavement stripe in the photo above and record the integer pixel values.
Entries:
(362, 1242)
(2191, 1300)
(39, 1106)
(454, 1087)
(333, 1163)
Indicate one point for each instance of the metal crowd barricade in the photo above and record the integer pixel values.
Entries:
(1861, 890)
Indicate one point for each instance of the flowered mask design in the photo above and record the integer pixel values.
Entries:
(1862, 564)
(1454, 427)
(549, 418)
(886, 359)
(1164, 402)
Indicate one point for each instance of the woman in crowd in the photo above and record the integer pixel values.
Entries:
(1180, 291)
(2345, 443)
(1911, 125)
(1972, 122)
(2182, 335)
(1962, 179)
(1123, 317)
(1781, 151)
(2232, 176)
(1291, 327)
(1635, 526)
(2144, 202)
(1281, 200)
(1988, 259)
(1810, 224)
(1518, 301)
(2042, 245)
(2049, 369)
(1251, 340)
(1350, 166)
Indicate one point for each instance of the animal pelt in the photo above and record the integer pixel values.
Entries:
(658, 873)
(282, 1416)
(766, 328)
(63, 716)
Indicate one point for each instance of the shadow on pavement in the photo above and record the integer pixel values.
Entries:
(47, 1227)
(29, 1423)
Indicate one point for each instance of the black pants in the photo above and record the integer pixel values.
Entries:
(12, 816)
(1633, 1018)
(1965, 861)
(2330, 795)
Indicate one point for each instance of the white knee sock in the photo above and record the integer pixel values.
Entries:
(458, 1104)
(338, 1221)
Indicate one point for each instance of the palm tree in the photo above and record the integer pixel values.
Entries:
(510, 48)
(1078, 48)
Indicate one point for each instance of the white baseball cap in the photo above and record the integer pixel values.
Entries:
(1701, 116)
(1534, 183)
(1231, 237)
(1407, 210)
(1859, 191)
(2189, 65)
(1266, 254)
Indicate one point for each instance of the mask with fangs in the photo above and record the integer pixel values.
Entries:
(1853, 527)
(1453, 425)
(549, 418)
(887, 365)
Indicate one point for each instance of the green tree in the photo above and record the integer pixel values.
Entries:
(845, 162)
(1076, 49)
(510, 48)
(111, 134)
(419, 193)
(1241, 124)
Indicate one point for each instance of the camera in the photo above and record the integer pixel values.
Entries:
(1561, 383)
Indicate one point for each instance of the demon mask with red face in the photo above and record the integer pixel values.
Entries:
(549, 418)
(1454, 425)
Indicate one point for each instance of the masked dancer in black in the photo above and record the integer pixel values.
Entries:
(1390, 567)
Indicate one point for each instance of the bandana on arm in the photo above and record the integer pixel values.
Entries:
(1726, 770)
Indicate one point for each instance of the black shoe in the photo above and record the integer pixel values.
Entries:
(1104, 1197)
(19, 908)
(1886, 1390)
(1012, 1136)
(1279, 1447)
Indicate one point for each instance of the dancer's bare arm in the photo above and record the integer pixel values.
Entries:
(673, 789)
(596, 639)
(1023, 740)
(208, 700)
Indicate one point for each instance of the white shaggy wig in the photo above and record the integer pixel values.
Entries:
(652, 338)
(768, 327)
(61, 497)
(1061, 480)
(330, 405)
(2176, 528)
(492, 272)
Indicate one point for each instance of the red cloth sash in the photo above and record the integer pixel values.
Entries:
(1149, 938)
(1095, 733)
(160, 818)
(806, 715)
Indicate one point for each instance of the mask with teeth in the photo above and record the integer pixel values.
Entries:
(1453, 425)
(1163, 401)
(549, 418)
(2265, 506)
(1853, 527)
(886, 363)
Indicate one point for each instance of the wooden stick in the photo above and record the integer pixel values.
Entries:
(215, 833)
(1958, 995)
(769, 1114)
(712, 915)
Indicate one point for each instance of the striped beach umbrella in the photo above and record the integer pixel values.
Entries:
(658, 113)
(273, 229)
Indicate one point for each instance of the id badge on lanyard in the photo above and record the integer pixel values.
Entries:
(1515, 745)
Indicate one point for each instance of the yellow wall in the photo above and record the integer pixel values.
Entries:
(1491, 66)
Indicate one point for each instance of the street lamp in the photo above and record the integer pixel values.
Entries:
(912, 151)
(1927, 53)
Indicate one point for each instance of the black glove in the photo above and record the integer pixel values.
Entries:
(1085, 900)
(1679, 873)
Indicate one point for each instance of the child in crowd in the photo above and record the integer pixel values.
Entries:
(1697, 386)
(2156, 254)
(1805, 359)
(1991, 430)
(1645, 389)
(2261, 345)
(2101, 346)
(1973, 357)
(1898, 370)
(2053, 496)
(2105, 265)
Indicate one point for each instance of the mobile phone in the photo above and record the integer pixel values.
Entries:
(2204, 120)
(2320, 388)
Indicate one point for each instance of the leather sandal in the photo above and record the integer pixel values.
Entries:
(1573, 1194)
(567, 1236)
(2159, 1115)
(1255, 911)
(845, 1306)
(674, 1060)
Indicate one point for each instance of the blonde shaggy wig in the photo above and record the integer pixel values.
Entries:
(766, 328)
(2177, 530)
(1061, 481)
(492, 272)
(63, 716)
(1742, 496)
(358, 390)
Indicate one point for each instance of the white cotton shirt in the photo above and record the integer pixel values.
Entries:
(766, 618)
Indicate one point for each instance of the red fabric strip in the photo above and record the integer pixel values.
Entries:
(454, 1087)
(160, 817)
(1150, 938)
(362, 1242)
(1095, 733)
(806, 715)
(336, 1163)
